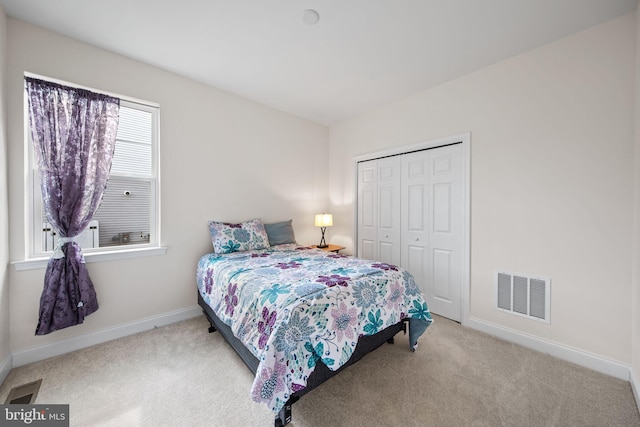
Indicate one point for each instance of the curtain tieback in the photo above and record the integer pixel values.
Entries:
(57, 254)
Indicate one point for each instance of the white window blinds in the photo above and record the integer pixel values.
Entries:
(133, 143)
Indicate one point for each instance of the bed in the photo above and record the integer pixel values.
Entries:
(298, 315)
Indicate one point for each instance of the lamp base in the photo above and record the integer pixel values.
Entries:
(323, 243)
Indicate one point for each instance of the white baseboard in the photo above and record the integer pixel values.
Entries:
(561, 351)
(5, 367)
(635, 386)
(35, 354)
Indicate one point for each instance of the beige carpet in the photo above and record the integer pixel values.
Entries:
(180, 375)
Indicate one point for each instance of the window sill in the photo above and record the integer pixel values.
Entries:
(35, 263)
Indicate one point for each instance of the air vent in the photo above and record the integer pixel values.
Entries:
(24, 394)
(524, 295)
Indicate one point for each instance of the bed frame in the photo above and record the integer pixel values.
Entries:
(366, 344)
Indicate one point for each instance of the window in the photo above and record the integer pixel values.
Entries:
(125, 215)
(128, 215)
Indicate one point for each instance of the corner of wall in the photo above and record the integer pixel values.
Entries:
(5, 368)
(635, 386)
(5, 354)
(635, 285)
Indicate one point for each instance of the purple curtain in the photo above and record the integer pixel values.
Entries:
(74, 133)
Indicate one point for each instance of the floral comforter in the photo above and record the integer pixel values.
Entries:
(293, 306)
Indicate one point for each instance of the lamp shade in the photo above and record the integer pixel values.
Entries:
(324, 220)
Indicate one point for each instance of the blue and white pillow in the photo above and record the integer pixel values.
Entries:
(246, 236)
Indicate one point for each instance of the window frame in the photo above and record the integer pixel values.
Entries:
(34, 256)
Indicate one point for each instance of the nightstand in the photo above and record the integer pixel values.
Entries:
(330, 248)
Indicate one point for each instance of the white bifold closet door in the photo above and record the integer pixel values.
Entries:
(378, 210)
(432, 232)
(411, 213)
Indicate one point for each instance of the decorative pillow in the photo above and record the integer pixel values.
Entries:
(227, 238)
(280, 233)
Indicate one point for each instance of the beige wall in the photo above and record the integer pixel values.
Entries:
(222, 157)
(635, 300)
(4, 207)
(552, 143)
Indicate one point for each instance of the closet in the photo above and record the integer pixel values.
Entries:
(410, 212)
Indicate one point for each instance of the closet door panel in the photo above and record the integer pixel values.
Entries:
(367, 209)
(415, 207)
(442, 213)
(388, 213)
(413, 262)
(415, 216)
(441, 277)
(446, 228)
(366, 249)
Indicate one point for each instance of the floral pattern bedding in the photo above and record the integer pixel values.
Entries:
(293, 306)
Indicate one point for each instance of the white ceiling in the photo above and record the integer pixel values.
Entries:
(361, 55)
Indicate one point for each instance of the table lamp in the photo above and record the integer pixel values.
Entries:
(323, 221)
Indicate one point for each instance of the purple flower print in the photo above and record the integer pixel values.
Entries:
(289, 264)
(268, 383)
(395, 296)
(333, 280)
(261, 255)
(208, 281)
(232, 225)
(297, 387)
(384, 266)
(231, 300)
(265, 326)
(344, 321)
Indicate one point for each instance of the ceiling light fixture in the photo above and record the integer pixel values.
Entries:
(310, 17)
